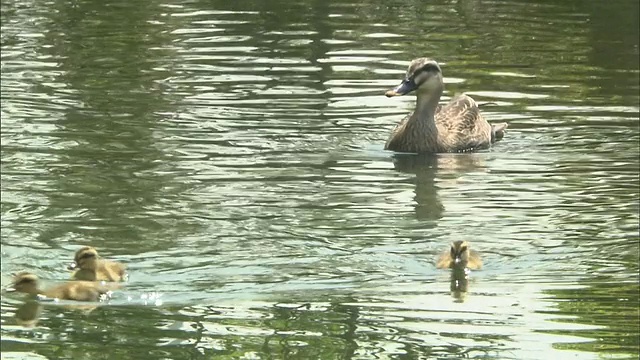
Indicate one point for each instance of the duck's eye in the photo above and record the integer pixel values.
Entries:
(429, 67)
(419, 77)
(463, 249)
(423, 73)
(87, 256)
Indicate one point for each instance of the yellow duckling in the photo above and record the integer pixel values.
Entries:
(92, 268)
(76, 290)
(459, 256)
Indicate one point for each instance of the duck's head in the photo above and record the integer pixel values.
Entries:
(85, 258)
(460, 253)
(25, 282)
(423, 75)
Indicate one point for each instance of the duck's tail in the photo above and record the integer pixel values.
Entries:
(497, 131)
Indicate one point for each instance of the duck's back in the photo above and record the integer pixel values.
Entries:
(104, 271)
(460, 125)
(78, 290)
(112, 271)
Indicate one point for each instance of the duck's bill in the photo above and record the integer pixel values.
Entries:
(71, 266)
(405, 87)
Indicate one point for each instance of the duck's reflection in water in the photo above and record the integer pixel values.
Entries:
(426, 168)
(459, 284)
(28, 314)
(460, 258)
(82, 291)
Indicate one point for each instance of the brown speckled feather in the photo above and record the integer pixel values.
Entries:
(457, 126)
(461, 126)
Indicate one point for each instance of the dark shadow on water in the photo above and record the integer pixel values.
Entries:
(428, 205)
(426, 168)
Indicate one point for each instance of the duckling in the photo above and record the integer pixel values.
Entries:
(433, 128)
(459, 257)
(92, 268)
(76, 290)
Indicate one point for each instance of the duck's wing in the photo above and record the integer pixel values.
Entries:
(461, 111)
(113, 271)
(444, 261)
(461, 125)
(474, 262)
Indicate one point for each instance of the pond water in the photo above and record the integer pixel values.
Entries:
(231, 154)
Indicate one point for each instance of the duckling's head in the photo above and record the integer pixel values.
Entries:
(460, 253)
(423, 75)
(25, 282)
(86, 258)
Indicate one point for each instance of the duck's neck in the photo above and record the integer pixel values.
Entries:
(422, 124)
(419, 133)
(33, 291)
(426, 104)
(90, 265)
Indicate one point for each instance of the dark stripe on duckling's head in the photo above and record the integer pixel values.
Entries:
(88, 255)
(459, 251)
(86, 252)
(24, 278)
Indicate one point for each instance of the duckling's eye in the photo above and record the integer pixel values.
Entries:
(87, 255)
(463, 249)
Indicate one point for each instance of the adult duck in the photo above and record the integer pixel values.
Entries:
(433, 128)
